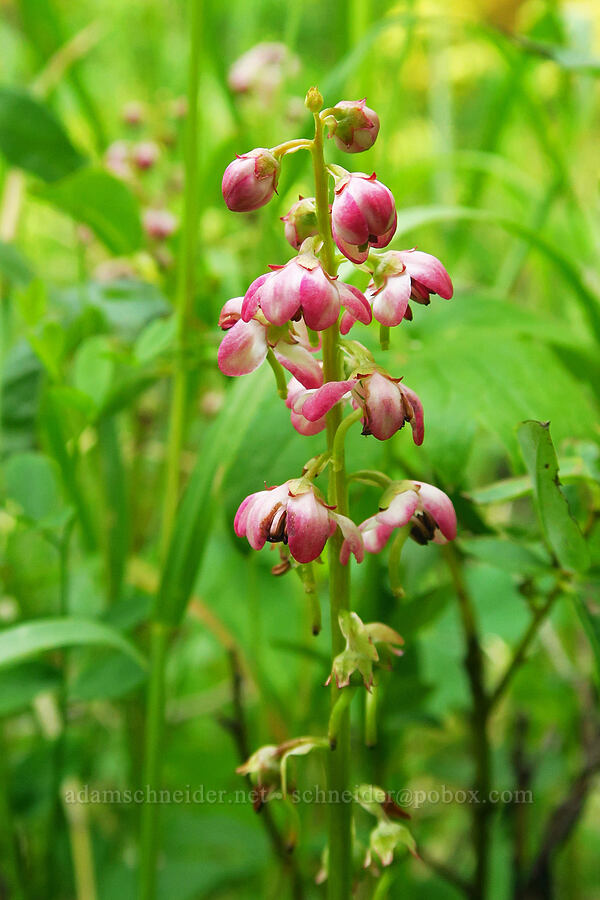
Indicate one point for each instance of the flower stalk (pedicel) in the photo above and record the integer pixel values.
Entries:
(288, 317)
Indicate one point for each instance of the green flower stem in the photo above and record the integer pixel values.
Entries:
(371, 476)
(337, 456)
(384, 337)
(340, 812)
(371, 716)
(343, 699)
(291, 147)
(394, 560)
(278, 373)
(160, 633)
(307, 576)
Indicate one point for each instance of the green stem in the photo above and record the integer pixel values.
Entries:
(278, 373)
(384, 337)
(371, 476)
(159, 632)
(371, 716)
(7, 836)
(307, 576)
(337, 454)
(159, 641)
(340, 811)
(338, 712)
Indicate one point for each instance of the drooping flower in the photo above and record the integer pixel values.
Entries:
(245, 345)
(400, 276)
(145, 154)
(360, 652)
(250, 180)
(295, 514)
(386, 403)
(353, 126)
(363, 215)
(303, 287)
(159, 224)
(427, 509)
(301, 221)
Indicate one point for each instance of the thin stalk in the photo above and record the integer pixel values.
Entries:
(371, 716)
(155, 711)
(473, 663)
(81, 843)
(159, 632)
(278, 373)
(340, 809)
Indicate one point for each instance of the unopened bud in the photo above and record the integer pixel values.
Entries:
(301, 221)
(314, 100)
(353, 126)
(250, 180)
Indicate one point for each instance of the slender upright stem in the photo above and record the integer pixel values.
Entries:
(159, 632)
(340, 807)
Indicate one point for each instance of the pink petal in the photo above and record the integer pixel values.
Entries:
(429, 271)
(241, 516)
(252, 297)
(350, 222)
(260, 514)
(356, 302)
(307, 527)
(319, 403)
(387, 236)
(440, 507)
(243, 348)
(375, 534)
(353, 541)
(383, 405)
(300, 362)
(231, 313)
(346, 323)
(349, 250)
(303, 426)
(391, 301)
(319, 299)
(280, 295)
(400, 511)
(417, 422)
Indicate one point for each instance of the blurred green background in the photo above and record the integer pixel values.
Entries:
(489, 139)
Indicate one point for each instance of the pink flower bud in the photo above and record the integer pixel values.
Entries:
(159, 224)
(293, 514)
(133, 113)
(145, 154)
(301, 221)
(116, 159)
(250, 180)
(363, 215)
(303, 288)
(355, 126)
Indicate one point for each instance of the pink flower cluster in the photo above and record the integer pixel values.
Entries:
(282, 315)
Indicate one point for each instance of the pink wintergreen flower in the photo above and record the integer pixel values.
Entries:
(427, 509)
(246, 344)
(250, 180)
(400, 276)
(295, 514)
(116, 159)
(301, 222)
(303, 287)
(145, 154)
(296, 390)
(363, 215)
(262, 68)
(159, 223)
(133, 113)
(386, 403)
(353, 126)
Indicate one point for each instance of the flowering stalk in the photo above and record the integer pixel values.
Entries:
(286, 316)
(340, 812)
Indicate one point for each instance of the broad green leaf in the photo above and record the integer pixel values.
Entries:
(32, 138)
(108, 677)
(13, 265)
(31, 480)
(102, 202)
(22, 642)
(559, 527)
(33, 302)
(508, 555)
(572, 469)
(193, 523)
(156, 338)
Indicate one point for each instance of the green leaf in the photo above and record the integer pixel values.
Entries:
(518, 558)
(590, 621)
(113, 675)
(13, 265)
(22, 642)
(194, 520)
(559, 527)
(94, 368)
(102, 202)
(156, 338)
(31, 480)
(572, 469)
(32, 138)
